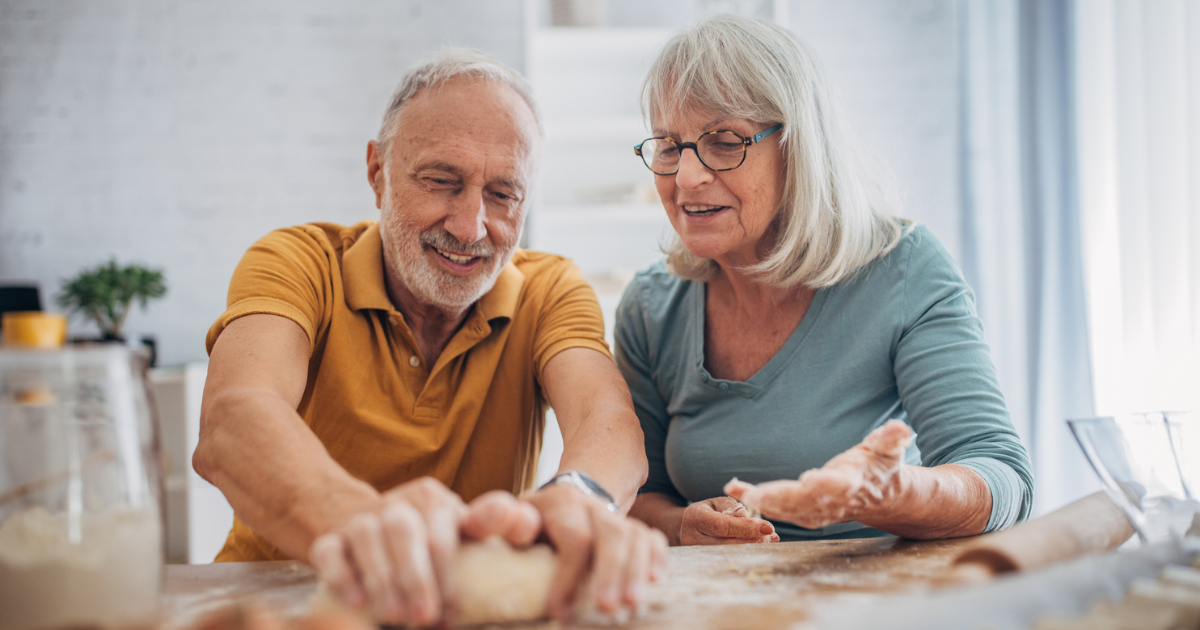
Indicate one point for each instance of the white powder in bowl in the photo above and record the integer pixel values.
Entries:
(111, 578)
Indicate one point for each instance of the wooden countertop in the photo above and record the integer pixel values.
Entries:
(736, 586)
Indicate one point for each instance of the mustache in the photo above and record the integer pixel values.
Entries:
(441, 239)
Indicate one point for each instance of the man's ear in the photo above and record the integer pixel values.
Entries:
(375, 171)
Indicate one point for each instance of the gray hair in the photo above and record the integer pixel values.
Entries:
(836, 215)
(447, 64)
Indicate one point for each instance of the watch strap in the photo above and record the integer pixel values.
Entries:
(585, 484)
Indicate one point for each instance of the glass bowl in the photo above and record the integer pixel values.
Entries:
(1150, 467)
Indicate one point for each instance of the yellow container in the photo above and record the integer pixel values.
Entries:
(34, 329)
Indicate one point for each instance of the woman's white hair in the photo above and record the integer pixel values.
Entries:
(447, 64)
(836, 215)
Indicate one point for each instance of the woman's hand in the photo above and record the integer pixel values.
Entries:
(723, 521)
(854, 484)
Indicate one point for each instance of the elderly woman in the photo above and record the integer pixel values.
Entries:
(794, 315)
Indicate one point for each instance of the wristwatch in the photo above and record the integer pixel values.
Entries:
(585, 484)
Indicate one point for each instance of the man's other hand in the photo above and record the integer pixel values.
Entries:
(622, 553)
(399, 558)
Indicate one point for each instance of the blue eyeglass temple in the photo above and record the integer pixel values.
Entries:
(756, 137)
(766, 132)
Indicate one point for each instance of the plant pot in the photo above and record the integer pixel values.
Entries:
(147, 342)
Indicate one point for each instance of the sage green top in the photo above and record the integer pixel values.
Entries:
(898, 340)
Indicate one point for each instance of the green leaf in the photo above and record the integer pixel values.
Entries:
(104, 294)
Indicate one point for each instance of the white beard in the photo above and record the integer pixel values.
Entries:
(430, 284)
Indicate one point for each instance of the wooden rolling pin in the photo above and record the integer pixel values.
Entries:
(1092, 524)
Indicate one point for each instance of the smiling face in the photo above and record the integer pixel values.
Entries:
(722, 215)
(451, 186)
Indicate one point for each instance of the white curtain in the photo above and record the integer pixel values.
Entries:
(1021, 240)
(1138, 109)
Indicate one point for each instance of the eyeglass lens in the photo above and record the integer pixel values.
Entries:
(719, 151)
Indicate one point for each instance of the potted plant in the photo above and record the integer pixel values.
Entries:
(105, 294)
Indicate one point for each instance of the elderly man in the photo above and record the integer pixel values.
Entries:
(365, 378)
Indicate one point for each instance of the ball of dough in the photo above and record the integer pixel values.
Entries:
(497, 584)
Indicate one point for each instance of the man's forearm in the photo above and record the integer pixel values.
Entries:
(289, 498)
(601, 433)
(608, 446)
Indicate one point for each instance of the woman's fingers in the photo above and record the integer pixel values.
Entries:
(849, 484)
(727, 505)
(891, 438)
(747, 493)
(703, 524)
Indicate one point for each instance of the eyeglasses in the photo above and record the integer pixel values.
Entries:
(720, 150)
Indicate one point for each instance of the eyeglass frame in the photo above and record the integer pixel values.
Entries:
(746, 142)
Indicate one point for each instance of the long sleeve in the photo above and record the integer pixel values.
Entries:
(948, 383)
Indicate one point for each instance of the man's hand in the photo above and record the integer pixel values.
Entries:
(852, 485)
(723, 521)
(399, 558)
(623, 553)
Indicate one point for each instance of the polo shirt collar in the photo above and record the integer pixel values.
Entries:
(362, 273)
(366, 288)
(501, 301)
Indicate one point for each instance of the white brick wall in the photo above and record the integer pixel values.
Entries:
(177, 132)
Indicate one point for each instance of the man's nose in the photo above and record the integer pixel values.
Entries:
(692, 172)
(467, 219)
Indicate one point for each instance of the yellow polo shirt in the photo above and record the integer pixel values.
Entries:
(474, 420)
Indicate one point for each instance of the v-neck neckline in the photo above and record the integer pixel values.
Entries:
(761, 379)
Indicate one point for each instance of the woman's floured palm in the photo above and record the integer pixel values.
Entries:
(850, 484)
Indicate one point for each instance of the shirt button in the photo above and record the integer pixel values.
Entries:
(724, 385)
(414, 361)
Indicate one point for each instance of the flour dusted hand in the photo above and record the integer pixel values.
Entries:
(848, 486)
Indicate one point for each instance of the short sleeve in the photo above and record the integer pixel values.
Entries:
(570, 317)
(285, 273)
(949, 387)
(633, 356)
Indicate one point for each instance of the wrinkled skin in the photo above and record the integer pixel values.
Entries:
(723, 521)
(855, 483)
